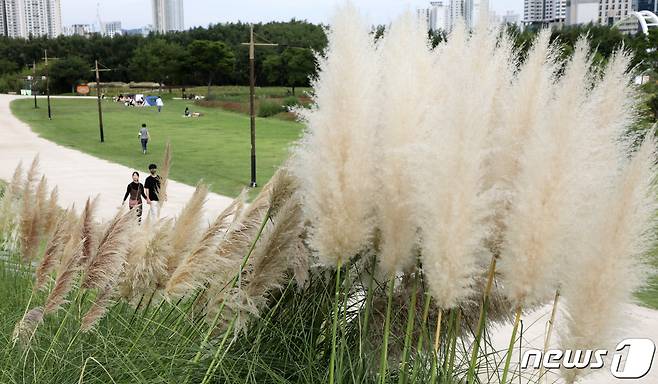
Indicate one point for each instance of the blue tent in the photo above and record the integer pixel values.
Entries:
(150, 100)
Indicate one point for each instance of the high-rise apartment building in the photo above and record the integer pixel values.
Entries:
(112, 28)
(544, 12)
(582, 12)
(612, 11)
(443, 15)
(25, 18)
(168, 15)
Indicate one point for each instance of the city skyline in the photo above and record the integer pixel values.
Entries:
(204, 12)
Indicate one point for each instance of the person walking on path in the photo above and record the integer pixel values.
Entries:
(135, 191)
(144, 137)
(152, 187)
(159, 104)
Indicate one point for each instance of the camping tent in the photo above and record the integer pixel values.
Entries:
(150, 101)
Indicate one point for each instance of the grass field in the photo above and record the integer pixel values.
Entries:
(214, 147)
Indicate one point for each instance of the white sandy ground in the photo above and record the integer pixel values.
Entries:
(79, 175)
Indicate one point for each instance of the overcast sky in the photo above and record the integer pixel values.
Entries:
(137, 13)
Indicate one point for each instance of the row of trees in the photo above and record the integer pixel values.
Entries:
(199, 56)
(215, 55)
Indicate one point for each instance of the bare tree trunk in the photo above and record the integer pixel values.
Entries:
(209, 84)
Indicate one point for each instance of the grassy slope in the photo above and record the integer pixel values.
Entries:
(214, 147)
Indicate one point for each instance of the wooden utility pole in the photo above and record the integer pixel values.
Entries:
(98, 94)
(45, 58)
(32, 85)
(252, 96)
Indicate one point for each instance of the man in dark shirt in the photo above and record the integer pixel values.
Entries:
(152, 189)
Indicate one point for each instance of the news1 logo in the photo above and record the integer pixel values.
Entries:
(639, 355)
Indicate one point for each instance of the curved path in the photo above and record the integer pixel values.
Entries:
(79, 175)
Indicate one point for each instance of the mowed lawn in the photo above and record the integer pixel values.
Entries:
(214, 147)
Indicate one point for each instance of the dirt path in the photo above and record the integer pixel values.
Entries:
(77, 174)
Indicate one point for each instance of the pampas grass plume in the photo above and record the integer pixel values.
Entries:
(107, 264)
(66, 274)
(406, 66)
(335, 160)
(186, 228)
(609, 265)
(193, 272)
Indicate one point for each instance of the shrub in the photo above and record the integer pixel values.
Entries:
(291, 101)
(268, 108)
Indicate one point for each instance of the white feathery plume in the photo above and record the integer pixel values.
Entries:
(9, 210)
(548, 190)
(609, 265)
(612, 108)
(531, 88)
(335, 159)
(450, 194)
(406, 67)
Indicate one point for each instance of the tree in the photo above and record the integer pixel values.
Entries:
(299, 66)
(7, 66)
(67, 72)
(157, 60)
(274, 69)
(209, 60)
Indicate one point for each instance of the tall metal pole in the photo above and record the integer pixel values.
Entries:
(34, 79)
(252, 107)
(100, 108)
(45, 52)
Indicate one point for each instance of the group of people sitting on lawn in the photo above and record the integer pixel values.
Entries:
(130, 100)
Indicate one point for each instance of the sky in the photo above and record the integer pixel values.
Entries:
(137, 13)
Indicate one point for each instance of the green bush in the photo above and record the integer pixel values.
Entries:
(291, 101)
(268, 108)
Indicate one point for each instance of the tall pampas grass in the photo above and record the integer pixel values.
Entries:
(233, 252)
(88, 231)
(531, 87)
(609, 265)
(98, 309)
(105, 268)
(54, 248)
(406, 69)
(66, 274)
(32, 199)
(165, 168)
(186, 228)
(26, 327)
(146, 268)
(548, 190)
(51, 212)
(450, 195)
(269, 266)
(335, 160)
(135, 255)
(9, 209)
(194, 270)
(270, 256)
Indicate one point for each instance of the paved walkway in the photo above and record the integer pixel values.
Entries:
(79, 175)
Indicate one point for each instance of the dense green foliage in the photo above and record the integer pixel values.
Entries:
(213, 147)
(194, 57)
